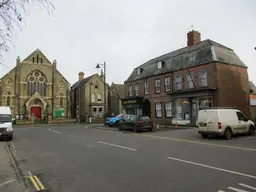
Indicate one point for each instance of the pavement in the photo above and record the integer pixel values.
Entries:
(94, 159)
(9, 181)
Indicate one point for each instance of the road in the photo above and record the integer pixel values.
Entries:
(77, 158)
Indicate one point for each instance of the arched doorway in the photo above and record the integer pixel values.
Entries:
(36, 108)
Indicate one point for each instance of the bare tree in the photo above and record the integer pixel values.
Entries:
(12, 14)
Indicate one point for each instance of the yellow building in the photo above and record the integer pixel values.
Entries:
(87, 98)
(35, 87)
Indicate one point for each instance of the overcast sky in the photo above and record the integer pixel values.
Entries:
(127, 33)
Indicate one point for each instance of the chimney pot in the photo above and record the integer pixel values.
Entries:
(81, 75)
(193, 38)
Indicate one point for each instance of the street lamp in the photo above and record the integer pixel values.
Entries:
(105, 87)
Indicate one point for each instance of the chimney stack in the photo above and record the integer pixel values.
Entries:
(193, 37)
(81, 75)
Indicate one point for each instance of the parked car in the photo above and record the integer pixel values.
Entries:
(6, 130)
(136, 123)
(114, 121)
(223, 122)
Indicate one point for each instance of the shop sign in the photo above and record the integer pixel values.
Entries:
(127, 102)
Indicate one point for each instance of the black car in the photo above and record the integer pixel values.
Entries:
(136, 123)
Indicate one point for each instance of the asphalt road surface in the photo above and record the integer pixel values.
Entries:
(78, 158)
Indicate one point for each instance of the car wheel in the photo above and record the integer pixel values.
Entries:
(10, 138)
(251, 130)
(228, 134)
(120, 127)
(135, 130)
(150, 129)
(204, 135)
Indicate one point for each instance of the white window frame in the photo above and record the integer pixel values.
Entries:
(159, 64)
(167, 83)
(157, 85)
(130, 90)
(168, 109)
(138, 71)
(136, 88)
(190, 80)
(146, 87)
(178, 82)
(158, 110)
(203, 78)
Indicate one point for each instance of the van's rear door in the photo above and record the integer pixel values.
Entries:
(212, 120)
(208, 120)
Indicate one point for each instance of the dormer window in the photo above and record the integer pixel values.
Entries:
(138, 71)
(159, 64)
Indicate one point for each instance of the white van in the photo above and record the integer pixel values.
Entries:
(223, 122)
(6, 129)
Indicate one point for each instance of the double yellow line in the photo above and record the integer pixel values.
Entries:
(36, 182)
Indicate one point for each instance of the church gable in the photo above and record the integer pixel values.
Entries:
(37, 57)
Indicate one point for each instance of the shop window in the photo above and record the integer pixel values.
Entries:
(158, 109)
(182, 109)
(157, 85)
(168, 109)
(205, 102)
(167, 83)
(178, 81)
(203, 75)
(146, 86)
(130, 90)
(136, 88)
(190, 80)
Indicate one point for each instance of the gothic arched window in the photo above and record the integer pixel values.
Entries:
(99, 97)
(8, 98)
(61, 100)
(93, 97)
(36, 82)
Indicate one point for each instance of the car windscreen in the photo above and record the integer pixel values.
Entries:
(145, 118)
(5, 118)
(120, 115)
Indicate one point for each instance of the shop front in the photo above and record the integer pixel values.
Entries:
(136, 106)
(187, 104)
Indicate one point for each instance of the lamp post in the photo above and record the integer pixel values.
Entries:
(105, 87)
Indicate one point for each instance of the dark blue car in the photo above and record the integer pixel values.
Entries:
(114, 121)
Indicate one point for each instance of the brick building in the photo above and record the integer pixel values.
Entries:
(173, 87)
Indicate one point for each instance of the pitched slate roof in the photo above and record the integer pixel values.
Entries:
(120, 89)
(252, 87)
(206, 51)
(82, 82)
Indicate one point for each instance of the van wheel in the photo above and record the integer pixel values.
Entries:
(204, 135)
(251, 130)
(228, 134)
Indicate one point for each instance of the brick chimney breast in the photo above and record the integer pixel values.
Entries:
(81, 75)
(193, 38)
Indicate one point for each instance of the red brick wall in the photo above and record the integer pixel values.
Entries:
(233, 87)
